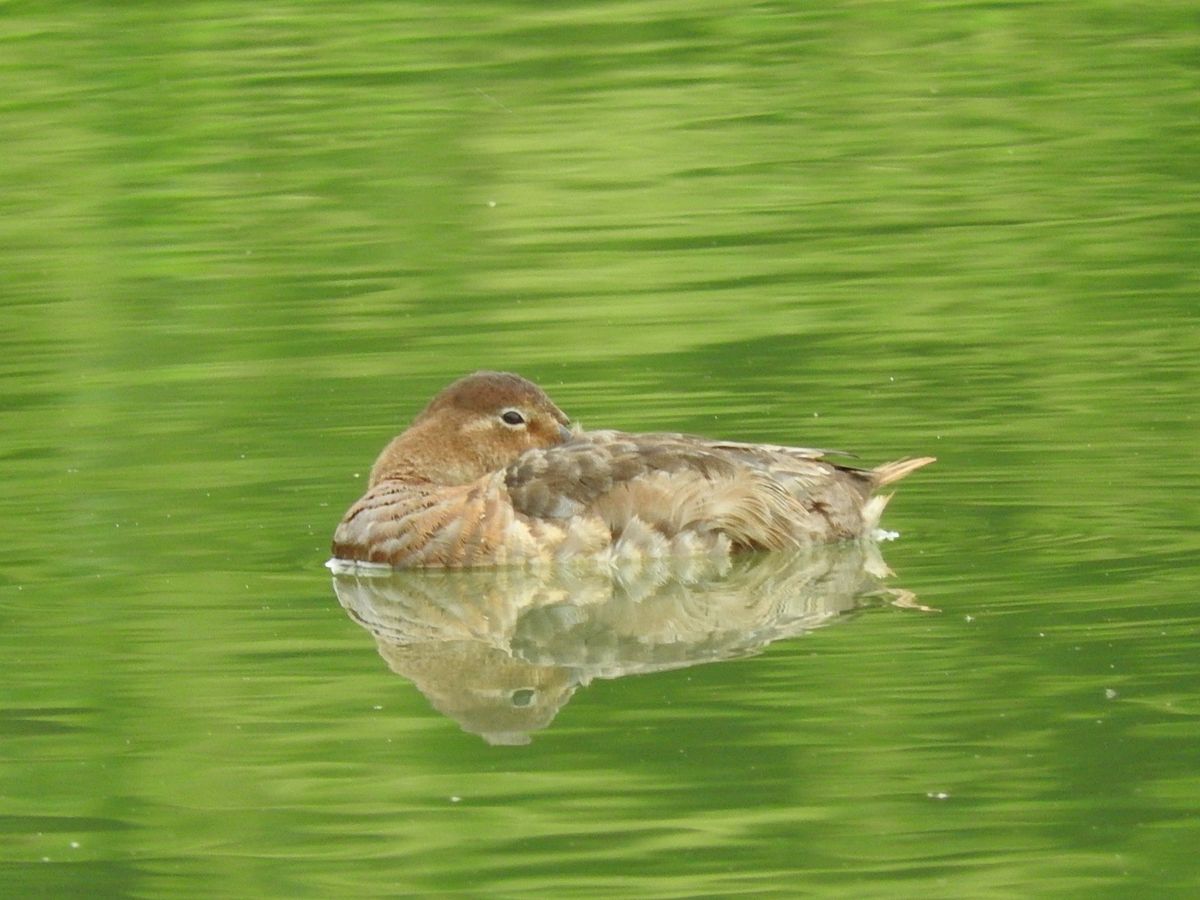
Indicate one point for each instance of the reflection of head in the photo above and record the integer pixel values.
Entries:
(486, 691)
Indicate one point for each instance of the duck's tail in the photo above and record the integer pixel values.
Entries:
(894, 471)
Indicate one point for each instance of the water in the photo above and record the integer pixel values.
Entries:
(239, 248)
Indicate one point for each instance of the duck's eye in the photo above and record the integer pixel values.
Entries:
(512, 417)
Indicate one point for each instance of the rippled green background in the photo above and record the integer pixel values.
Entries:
(240, 245)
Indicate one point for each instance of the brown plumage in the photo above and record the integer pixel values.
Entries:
(490, 473)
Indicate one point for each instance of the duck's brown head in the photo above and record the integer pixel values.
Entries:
(477, 425)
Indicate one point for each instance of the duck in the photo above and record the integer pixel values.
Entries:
(492, 473)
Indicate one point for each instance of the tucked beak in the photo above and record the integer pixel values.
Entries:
(565, 432)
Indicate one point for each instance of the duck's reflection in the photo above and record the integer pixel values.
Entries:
(502, 650)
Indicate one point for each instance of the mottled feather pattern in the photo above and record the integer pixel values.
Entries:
(585, 468)
(489, 474)
(762, 498)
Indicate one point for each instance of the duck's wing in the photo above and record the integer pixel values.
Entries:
(805, 469)
(798, 452)
(563, 481)
(757, 498)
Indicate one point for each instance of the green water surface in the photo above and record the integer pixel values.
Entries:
(242, 244)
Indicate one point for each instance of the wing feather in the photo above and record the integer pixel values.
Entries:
(761, 497)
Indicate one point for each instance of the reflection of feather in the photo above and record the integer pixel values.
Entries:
(501, 650)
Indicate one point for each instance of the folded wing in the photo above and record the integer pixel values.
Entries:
(759, 497)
